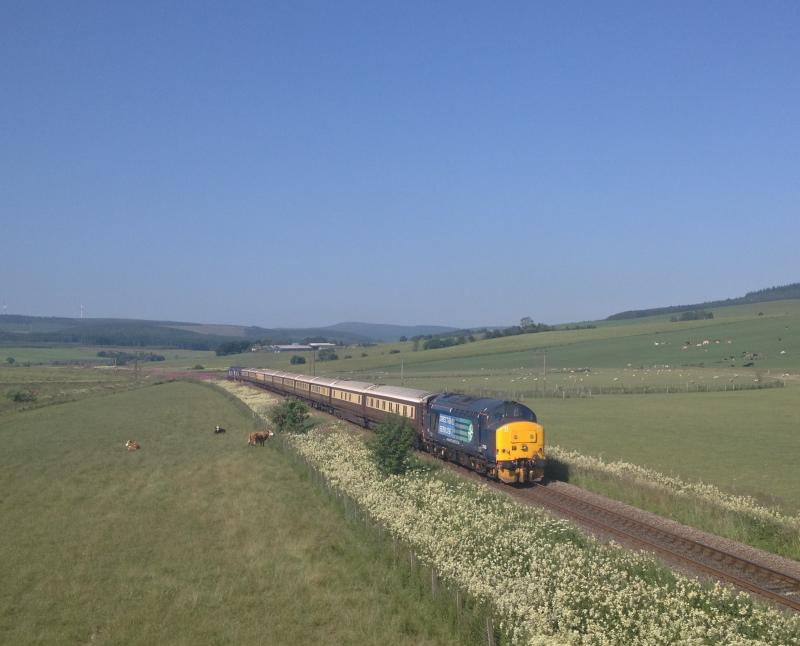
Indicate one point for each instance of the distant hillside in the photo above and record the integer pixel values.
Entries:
(386, 333)
(29, 330)
(15, 329)
(780, 293)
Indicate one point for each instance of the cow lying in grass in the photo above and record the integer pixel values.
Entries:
(218, 429)
(132, 445)
(259, 438)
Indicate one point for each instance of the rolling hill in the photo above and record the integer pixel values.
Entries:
(782, 292)
(17, 329)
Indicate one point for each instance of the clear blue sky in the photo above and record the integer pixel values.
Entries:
(454, 163)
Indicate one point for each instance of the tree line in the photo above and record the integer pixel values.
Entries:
(434, 342)
(777, 293)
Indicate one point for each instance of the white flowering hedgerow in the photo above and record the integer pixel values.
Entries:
(708, 493)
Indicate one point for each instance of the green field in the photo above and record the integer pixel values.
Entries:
(58, 384)
(195, 539)
(745, 442)
(50, 354)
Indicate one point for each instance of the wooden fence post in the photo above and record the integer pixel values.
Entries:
(434, 581)
(489, 632)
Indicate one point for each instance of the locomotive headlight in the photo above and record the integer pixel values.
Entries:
(524, 447)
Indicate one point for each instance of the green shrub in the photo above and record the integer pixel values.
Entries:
(21, 395)
(198, 366)
(392, 446)
(290, 416)
(297, 360)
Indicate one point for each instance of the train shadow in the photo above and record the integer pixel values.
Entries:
(556, 470)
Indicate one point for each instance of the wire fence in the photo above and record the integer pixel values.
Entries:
(469, 617)
(565, 392)
(561, 391)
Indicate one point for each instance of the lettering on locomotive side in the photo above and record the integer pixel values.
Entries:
(457, 428)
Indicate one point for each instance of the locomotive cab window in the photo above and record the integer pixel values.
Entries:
(512, 410)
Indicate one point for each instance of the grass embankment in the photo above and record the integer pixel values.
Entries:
(194, 539)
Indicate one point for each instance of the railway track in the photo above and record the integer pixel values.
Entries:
(771, 584)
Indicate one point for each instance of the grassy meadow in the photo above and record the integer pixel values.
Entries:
(194, 539)
(48, 385)
(50, 354)
(745, 442)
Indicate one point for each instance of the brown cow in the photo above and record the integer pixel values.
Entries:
(132, 445)
(259, 438)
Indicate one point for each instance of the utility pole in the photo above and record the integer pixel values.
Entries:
(545, 365)
(313, 362)
(402, 379)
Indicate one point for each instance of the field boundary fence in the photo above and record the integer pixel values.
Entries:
(569, 391)
(472, 617)
(565, 392)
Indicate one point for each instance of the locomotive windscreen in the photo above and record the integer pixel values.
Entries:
(512, 410)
